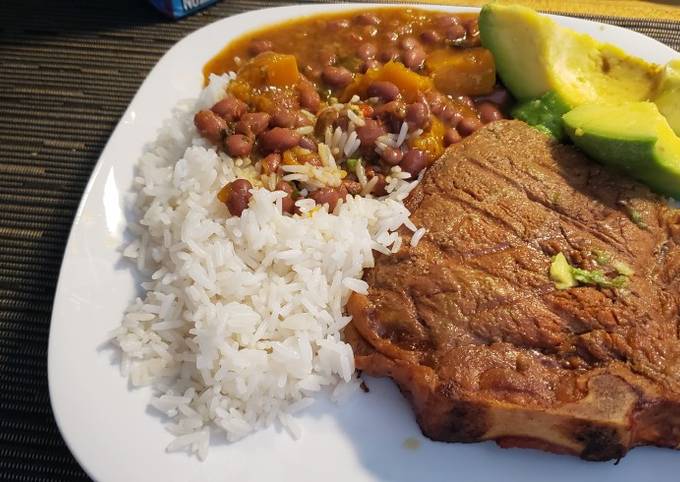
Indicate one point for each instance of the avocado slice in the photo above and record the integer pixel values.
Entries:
(535, 55)
(631, 136)
(544, 113)
(668, 94)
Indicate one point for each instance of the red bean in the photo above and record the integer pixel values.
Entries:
(210, 125)
(369, 132)
(414, 161)
(391, 36)
(472, 27)
(408, 43)
(283, 118)
(258, 46)
(367, 19)
(301, 120)
(336, 77)
(455, 32)
(389, 53)
(446, 20)
(488, 112)
(307, 143)
(326, 195)
(370, 30)
(236, 195)
(309, 97)
(451, 136)
(366, 51)
(450, 115)
(271, 163)
(391, 156)
(417, 115)
(436, 101)
(394, 109)
(288, 204)
(467, 100)
(369, 64)
(327, 57)
(379, 188)
(413, 59)
(356, 37)
(252, 123)
(278, 139)
(352, 187)
(387, 91)
(468, 125)
(312, 71)
(238, 145)
(430, 36)
(338, 24)
(342, 123)
(230, 108)
(499, 96)
(324, 120)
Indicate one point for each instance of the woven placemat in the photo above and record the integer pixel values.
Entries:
(67, 72)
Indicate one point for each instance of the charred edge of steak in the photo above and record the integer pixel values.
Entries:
(600, 443)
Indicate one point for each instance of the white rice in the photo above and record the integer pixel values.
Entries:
(353, 117)
(352, 144)
(315, 177)
(304, 130)
(403, 131)
(361, 174)
(417, 236)
(239, 324)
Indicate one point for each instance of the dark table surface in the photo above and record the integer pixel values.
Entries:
(68, 69)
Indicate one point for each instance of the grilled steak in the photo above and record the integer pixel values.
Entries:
(476, 334)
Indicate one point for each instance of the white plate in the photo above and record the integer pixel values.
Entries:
(116, 438)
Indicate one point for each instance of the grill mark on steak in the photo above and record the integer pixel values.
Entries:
(547, 206)
(477, 337)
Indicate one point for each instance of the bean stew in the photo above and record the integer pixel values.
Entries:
(341, 104)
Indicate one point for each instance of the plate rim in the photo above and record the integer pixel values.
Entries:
(105, 160)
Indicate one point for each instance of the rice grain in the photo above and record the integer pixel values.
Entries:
(239, 324)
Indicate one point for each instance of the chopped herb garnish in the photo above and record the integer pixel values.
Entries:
(623, 268)
(588, 277)
(602, 257)
(566, 276)
(352, 164)
(636, 217)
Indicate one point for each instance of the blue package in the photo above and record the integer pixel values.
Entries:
(180, 8)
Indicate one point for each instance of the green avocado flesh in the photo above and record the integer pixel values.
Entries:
(544, 113)
(667, 98)
(631, 136)
(535, 55)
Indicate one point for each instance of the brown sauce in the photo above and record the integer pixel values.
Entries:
(382, 91)
(335, 38)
